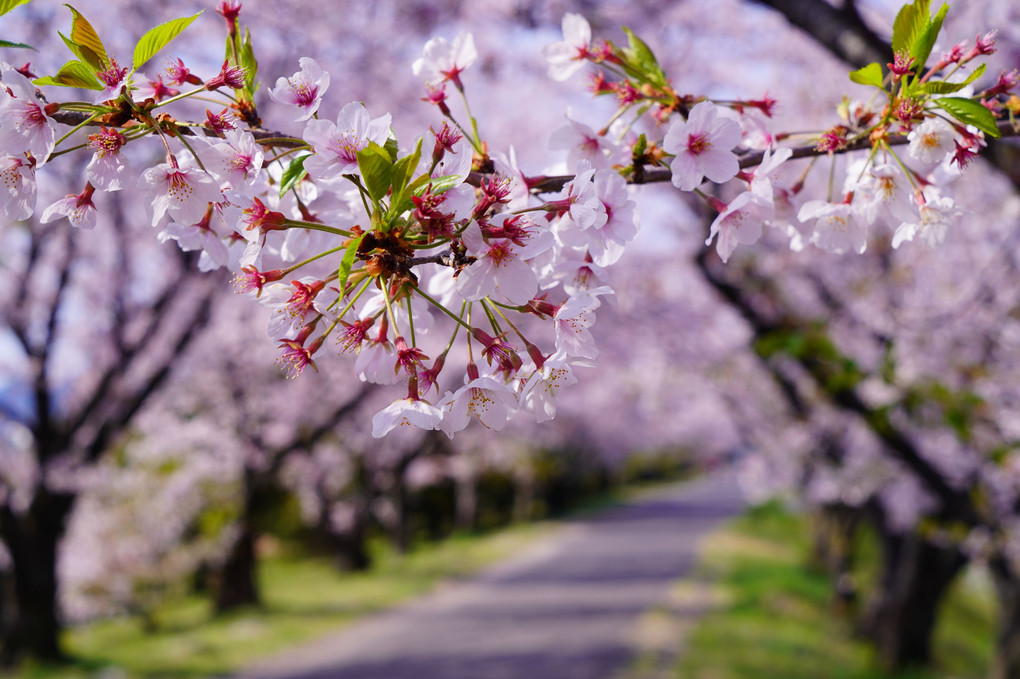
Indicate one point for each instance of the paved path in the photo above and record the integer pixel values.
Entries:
(568, 608)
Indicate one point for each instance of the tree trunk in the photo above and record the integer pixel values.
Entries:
(834, 529)
(916, 574)
(32, 539)
(1006, 656)
(236, 579)
(466, 516)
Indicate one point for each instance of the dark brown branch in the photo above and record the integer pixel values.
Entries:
(840, 30)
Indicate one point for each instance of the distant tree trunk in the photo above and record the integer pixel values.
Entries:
(352, 543)
(235, 581)
(1006, 656)
(401, 511)
(835, 526)
(916, 573)
(32, 540)
(466, 517)
(524, 493)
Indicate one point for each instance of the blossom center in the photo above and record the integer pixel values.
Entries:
(500, 254)
(348, 144)
(179, 187)
(698, 143)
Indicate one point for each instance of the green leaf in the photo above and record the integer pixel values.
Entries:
(249, 64)
(869, 75)
(72, 74)
(348, 261)
(159, 37)
(969, 112)
(943, 87)
(403, 170)
(4, 43)
(294, 173)
(85, 55)
(392, 148)
(439, 184)
(85, 37)
(376, 170)
(7, 5)
(642, 59)
(910, 21)
(925, 38)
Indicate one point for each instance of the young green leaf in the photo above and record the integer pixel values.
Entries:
(925, 38)
(376, 170)
(72, 74)
(439, 184)
(643, 60)
(85, 37)
(249, 64)
(347, 262)
(4, 43)
(909, 22)
(403, 171)
(159, 37)
(294, 173)
(969, 112)
(869, 75)
(943, 87)
(7, 5)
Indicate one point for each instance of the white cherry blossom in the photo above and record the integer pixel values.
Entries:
(183, 193)
(702, 146)
(443, 61)
(24, 125)
(337, 144)
(303, 90)
(568, 56)
(406, 412)
(931, 141)
(489, 400)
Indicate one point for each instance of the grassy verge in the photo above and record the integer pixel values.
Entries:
(776, 619)
(304, 598)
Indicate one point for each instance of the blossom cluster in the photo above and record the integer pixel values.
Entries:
(716, 142)
(400, 254)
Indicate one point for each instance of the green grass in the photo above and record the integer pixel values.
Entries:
(777, 619)
(303, 599)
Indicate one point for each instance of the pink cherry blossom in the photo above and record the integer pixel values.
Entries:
(375, 363)
(17, 186)
(443, 61)
(489, 400)
(499, 267)
(79, 209)
(569, 55)
(581, 142)
(702, 147)
(838, 227)
(336, 145)
(406, 412)
(107, 170)
(24, 125)
(539, 392)
(183, 193)
(931, 223)
(573, 319)
(236, 162)
(303, 90)
(739, 222)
